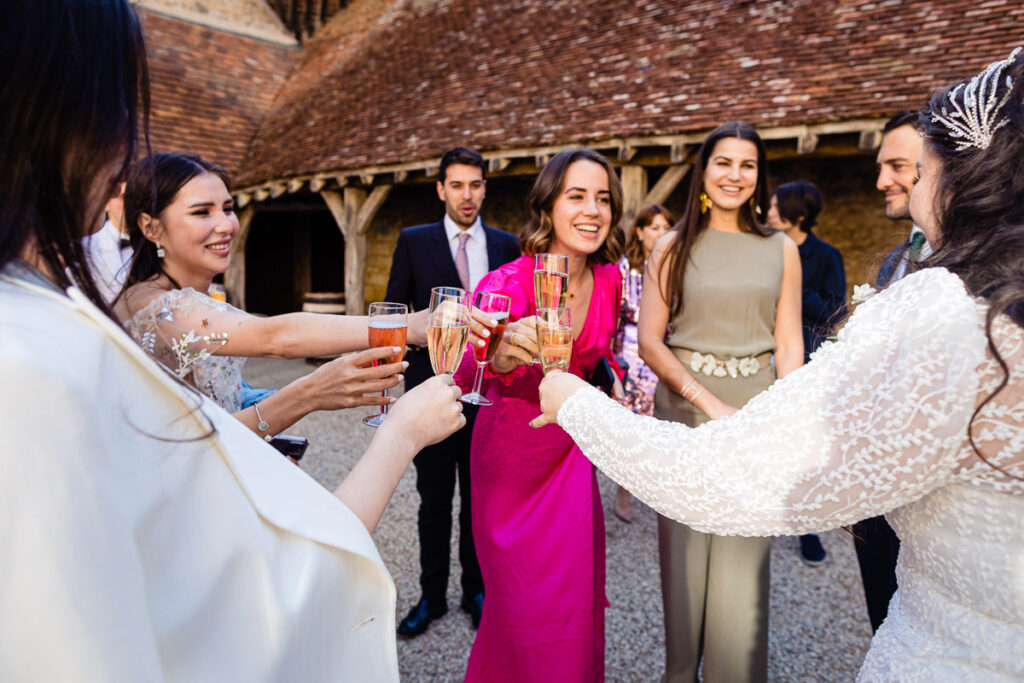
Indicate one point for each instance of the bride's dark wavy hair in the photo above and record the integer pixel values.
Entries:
(979, 208)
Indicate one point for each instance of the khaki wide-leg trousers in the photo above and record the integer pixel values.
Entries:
(714, 588)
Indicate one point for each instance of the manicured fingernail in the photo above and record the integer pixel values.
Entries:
(391, 399)
(396, 349)
(492, 322)
(400, 376)
(487, 333)
(481, 343)
(405, 364)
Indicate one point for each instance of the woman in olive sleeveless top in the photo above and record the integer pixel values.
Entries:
(729, 290)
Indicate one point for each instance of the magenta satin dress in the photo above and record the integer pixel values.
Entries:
(537, 518)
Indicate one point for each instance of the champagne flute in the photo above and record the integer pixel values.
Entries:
(498, 307)
(447, 328)
(554, 337)
(550, 280)
(388, 326)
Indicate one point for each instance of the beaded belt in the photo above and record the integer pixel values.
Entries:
(709, 364)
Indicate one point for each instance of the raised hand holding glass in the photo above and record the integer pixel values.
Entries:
(388, 326)
(498, 307)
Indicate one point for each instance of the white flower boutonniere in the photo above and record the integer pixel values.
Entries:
(862, 293)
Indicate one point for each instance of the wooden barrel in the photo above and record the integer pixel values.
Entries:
(323, 302)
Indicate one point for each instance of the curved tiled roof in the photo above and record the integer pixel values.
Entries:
(404, 81)
(210, 89)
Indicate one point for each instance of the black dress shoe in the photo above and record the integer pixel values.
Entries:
(474, 607)
(420, 616)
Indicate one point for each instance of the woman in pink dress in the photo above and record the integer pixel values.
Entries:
(537, 518)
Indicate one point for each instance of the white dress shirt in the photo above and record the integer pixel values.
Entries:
(108, 260)
(476, 248)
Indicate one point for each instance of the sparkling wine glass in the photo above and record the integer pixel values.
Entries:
(498, 307)
(387, 327)
(550, 280)
(447, 328)
(554, 337)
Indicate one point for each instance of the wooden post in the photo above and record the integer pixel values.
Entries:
(668, 182)
(353, 211)
(234, 276)
(634, 189)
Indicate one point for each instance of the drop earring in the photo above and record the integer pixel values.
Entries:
(756, 207)
(160, 253)
(705, 202)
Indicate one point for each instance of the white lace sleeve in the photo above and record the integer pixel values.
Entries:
(875, 421)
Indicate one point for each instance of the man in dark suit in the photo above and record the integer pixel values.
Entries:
(453, 252)
(876, 544)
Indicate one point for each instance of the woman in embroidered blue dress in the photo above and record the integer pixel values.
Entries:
(728, 289)
(181, 220)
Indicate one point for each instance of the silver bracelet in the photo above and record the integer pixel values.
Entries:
(262, 425)
(694, 397)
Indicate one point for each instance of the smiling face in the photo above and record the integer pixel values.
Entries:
(582, 213)
(196, 229)
(650, 234)
(900, 150)
(730, 178)
(462, 192)
(923, 199)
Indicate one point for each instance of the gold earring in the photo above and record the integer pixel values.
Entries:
(705, 202)
(755, 207)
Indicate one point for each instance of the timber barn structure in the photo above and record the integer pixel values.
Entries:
(332, 115)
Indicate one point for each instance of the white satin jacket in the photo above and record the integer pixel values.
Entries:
(134, 549)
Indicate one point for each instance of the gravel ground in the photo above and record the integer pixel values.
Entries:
(819, 629)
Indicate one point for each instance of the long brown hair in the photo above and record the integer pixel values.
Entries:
(536, 237)
(635, 245)
(693, 222)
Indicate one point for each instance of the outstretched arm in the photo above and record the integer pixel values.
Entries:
(875, 422)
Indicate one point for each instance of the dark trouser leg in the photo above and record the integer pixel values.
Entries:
(877, 549)
(435, 481)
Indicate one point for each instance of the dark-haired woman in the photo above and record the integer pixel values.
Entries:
(917, 412)
(183, 237)
(148, 536)
(728, 289)
(794, 210)
(639, 383)
(537, 518)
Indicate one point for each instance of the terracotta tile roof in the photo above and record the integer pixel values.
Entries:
(391, 81)
(210, 89)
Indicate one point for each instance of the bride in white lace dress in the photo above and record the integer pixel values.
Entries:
(917, 412)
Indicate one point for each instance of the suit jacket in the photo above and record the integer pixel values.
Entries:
(891, 262)
(182, 558)
(423, 260)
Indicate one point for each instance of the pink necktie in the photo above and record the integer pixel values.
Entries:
(462, 261)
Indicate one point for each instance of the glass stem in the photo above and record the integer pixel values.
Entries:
(384, 408)
(479, 378)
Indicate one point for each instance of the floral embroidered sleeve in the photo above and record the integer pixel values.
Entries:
(876, 421)
(182, 327)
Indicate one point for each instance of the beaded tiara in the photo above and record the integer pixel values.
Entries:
(975, 117)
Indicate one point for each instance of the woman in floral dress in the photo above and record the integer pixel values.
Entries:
(640, 382)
